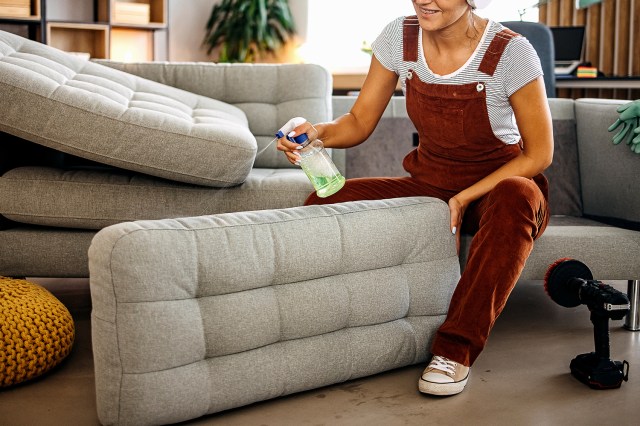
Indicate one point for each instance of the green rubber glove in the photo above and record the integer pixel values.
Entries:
(635, 142)
(630, 122)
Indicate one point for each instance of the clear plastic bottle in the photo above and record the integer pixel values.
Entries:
(318, 166)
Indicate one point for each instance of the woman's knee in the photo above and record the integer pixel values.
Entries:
(517, 193)
(517, 187)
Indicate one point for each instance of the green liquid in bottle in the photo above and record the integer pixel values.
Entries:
(326, 186)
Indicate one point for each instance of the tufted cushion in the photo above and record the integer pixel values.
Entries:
(105, 115)
(270, 94)
(36, 331)
(198, 315)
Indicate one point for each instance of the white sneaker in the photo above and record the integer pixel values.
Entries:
(443, 377)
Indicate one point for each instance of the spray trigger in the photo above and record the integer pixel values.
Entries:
(288, 128)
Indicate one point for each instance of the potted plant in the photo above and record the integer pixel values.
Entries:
(244, 30)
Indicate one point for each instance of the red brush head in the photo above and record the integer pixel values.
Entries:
(552, 267)
(563, 279)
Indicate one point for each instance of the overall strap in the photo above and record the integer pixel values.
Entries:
(495, 50)
(410, 31)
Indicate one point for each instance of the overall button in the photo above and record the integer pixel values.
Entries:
(480, 87)
(410, 74)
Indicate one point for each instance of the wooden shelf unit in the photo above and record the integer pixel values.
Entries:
(34, 23)
(132, 38)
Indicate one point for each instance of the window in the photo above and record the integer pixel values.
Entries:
(337, 29)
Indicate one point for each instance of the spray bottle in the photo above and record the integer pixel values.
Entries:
(314, 160)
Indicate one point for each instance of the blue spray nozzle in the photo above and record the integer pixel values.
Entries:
(297, 139)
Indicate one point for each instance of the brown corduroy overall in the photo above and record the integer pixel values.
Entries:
(457, 149)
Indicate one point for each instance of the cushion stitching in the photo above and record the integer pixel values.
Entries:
(127, 123)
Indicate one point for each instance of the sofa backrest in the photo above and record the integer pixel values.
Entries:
(610, 174)
(269, 94)
(565, 196)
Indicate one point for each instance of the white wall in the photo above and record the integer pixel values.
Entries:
(187, 21)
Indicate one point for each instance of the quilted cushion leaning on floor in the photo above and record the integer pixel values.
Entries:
(105, 115)
(198, 315)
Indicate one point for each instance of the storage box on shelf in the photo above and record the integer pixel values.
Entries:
(131, 13)
(20, 9)
(15, 8)
(147, 13)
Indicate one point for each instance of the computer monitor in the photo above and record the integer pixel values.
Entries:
(568, 43)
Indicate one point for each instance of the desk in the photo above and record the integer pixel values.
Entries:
(571, 82)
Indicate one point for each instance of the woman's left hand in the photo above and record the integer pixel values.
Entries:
(457, 209)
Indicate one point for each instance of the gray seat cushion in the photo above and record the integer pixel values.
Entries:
(105, 115)
(93, 199)
(198, 315)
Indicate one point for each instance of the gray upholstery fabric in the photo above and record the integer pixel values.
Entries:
(269, 94)
(101, 114)
(93, 199)
(188, 313)
(564, 173)
(44, 252)
(610, 174)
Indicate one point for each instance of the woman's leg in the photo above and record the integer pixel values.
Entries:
(506, 221)
(378, 189)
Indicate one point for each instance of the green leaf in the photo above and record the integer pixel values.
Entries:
(243, 29)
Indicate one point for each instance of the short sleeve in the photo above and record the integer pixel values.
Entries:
(387, 45)
(521, 65)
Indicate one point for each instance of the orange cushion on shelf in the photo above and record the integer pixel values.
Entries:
(36, 331)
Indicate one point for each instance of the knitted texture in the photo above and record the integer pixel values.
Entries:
(36, 331)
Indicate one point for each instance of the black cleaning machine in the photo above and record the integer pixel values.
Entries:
(570, 283)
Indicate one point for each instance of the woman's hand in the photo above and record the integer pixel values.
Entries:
(289, 148)
(457, 209)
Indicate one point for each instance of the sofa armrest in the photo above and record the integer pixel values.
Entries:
(610, 174)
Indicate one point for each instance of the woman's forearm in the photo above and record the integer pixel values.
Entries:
(522, 165)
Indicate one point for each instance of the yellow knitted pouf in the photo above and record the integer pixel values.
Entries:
(36, 331)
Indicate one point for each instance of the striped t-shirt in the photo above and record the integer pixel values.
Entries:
(518, 66)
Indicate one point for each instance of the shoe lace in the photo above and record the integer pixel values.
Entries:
(443, 364)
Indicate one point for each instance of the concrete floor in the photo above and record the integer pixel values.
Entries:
(522, 378)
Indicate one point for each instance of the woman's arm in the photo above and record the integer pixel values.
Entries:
(354, 127)
(533, 117)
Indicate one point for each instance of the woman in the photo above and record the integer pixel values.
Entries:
(467, 82)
